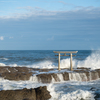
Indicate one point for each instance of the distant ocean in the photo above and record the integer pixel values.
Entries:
(69, 90)
(47, 59)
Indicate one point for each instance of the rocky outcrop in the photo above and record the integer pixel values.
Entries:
(16, 76)
(15, 73)
(39, 93)
(52, 77)
(19, 73)
(42, 93)
(97, 96)
(46, 76)
(96, 92)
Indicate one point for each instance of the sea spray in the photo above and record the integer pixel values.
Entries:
(33, 78)
(83, 77)
(77, 95)
(1, 78)
(60, 77)
(74, 77)
(59, 90)
(92, 61)
(53, 80)
(65, 91)
(44, 64)
(2, 64)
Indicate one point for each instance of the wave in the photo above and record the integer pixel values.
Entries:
(44, 64)
(67, 92)
(2, 64)
(92, 61)
(4, 58)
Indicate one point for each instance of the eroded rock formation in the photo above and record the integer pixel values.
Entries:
(48, 75)
(39, 93)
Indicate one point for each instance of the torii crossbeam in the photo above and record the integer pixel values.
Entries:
(70, 52)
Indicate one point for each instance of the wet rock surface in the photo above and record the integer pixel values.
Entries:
(48, 75)
(19, 73)
(39, 93)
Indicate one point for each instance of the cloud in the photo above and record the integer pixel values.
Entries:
(78, 12)
(51, 38)
(26, 8)
(1, 38)
(64, 3)
(11, 37)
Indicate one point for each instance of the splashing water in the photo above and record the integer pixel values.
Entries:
(92, 61)
(74, 89)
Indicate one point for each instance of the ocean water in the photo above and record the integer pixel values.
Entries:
(63, 90)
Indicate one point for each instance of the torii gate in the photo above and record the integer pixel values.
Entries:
(71, 68)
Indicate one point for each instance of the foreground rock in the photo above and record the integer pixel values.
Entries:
(39, 93)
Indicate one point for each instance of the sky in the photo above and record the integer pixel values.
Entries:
(49, 24)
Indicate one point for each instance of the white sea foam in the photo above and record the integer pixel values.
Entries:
(59, 91)
(13, 65)
(60, 76)
(64, 91)
(12, 85)
(77, 95)
(2, 64)
(33, 78)
(92, 61)
(4, 58)
(70, 90)
(44, 64)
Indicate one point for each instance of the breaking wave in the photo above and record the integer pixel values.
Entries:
(4, 58)
(92, 61)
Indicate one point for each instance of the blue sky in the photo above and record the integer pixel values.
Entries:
(49, 24)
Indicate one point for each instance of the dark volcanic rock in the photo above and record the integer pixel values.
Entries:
(16, 76)
(15, 73)
(97, 95)
(88, 75)
(18, 94)
(22, 73)
(39, 93)
(66, 76)
(55, 77)
(94, 75)
(42, 93)
(43, 75)
(44, 78)
(98, 70)
(47, 78)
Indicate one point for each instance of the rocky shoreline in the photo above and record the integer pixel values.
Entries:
(43, 76)
(47, 75)
(40, 93)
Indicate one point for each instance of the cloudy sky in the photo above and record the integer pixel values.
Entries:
(49, 24)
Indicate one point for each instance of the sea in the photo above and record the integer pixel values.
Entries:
(63, 90)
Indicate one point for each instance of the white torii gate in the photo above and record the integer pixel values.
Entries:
(71, 68)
